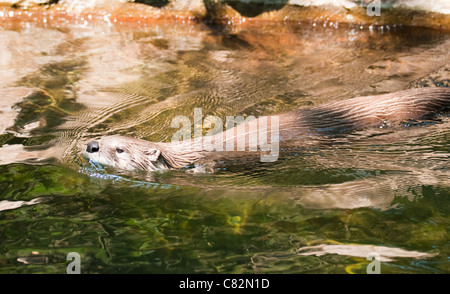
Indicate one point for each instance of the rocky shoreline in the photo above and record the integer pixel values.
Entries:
(365, 13)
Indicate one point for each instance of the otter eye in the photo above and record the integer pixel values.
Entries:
(118, 150)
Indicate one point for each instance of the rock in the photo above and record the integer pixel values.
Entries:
(155, 8)
(420, 13)
(29, 3)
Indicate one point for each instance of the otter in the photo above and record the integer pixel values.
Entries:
(299, 128)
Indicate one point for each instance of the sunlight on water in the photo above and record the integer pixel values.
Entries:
(386, 187)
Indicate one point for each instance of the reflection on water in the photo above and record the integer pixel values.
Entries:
(372, 187)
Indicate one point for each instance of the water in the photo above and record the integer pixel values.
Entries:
(387, 188)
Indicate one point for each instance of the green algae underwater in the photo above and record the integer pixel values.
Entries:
(388, 189)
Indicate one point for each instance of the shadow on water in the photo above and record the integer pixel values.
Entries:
(387, 188)
(154, 3)
(254, 8)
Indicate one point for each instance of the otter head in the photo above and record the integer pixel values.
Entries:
(126, 153)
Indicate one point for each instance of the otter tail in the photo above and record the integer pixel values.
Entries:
(376, 111)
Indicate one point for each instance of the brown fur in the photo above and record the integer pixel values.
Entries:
(300, 126)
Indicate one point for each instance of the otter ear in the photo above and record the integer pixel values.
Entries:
(153, 154)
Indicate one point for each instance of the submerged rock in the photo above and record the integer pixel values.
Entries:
(11, 97)
(386, 254)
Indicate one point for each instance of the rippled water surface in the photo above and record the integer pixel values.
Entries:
(312, 211)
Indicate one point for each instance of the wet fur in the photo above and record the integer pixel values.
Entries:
(299, 126)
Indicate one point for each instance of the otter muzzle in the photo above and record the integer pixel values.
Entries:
(92, 147)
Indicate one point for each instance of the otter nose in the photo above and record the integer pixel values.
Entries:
(92, 147)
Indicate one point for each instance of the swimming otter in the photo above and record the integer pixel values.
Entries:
(298, 128)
